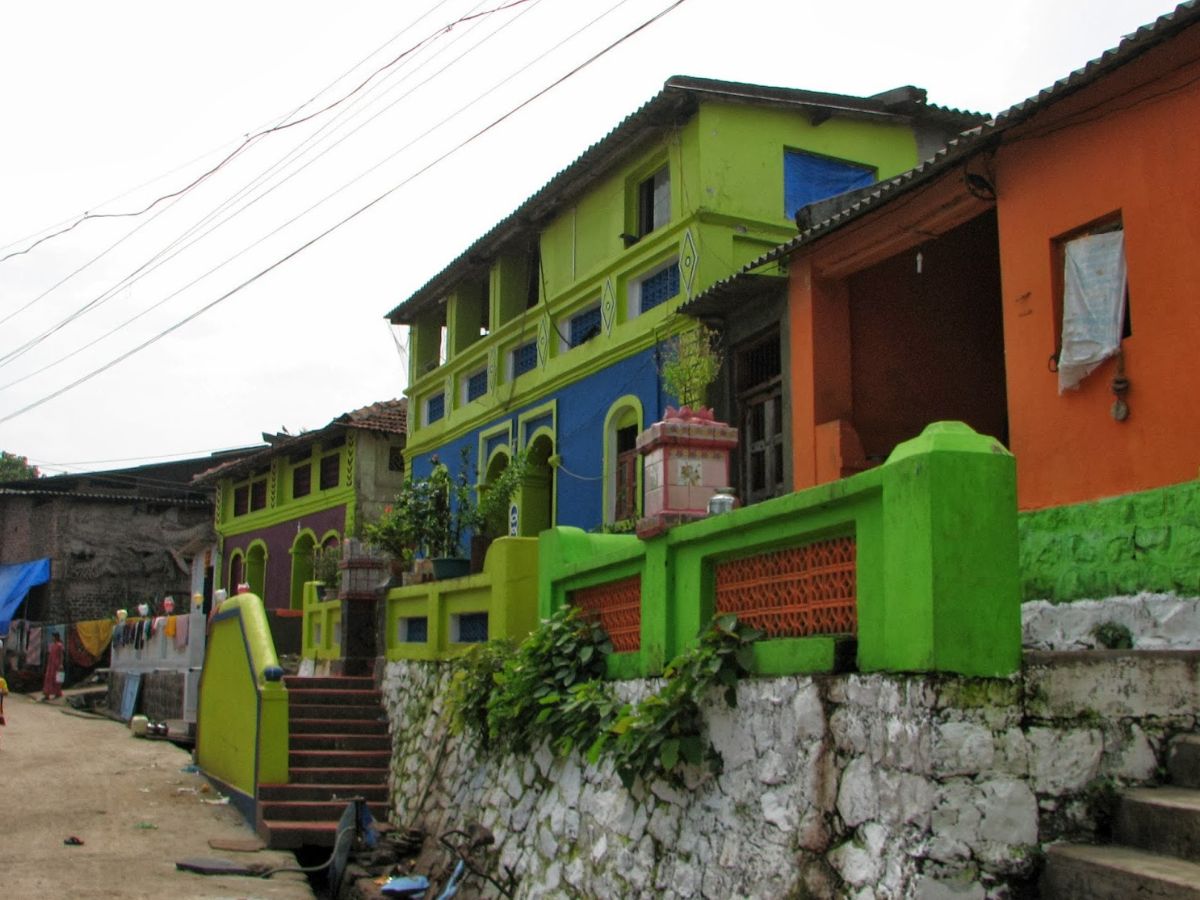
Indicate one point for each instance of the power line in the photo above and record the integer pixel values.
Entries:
(254, 138)
(349, 218)
(164, 255)
(248, 248)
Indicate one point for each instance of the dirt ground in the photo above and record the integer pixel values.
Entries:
(65, 774)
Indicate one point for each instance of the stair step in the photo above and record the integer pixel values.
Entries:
(339, 775)
(1183, 761)
(321, 793)
(334, 711)
(314, 810)
(335, 682)
(338, 698)
(325, 726)
(283, 835)
(1162, 820)
(1111, 872)
(337, 759)
(340, 742)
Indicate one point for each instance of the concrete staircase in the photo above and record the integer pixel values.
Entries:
(338, 749)
(1156, 849)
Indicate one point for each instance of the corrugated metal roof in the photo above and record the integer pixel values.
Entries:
(978, 138)
(676, 102)
(385, 416)
(107, 498)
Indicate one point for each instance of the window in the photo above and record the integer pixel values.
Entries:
(583, 327)
(469, 628)
(413, 630)
(524, 359)
(535, 277)
(657, 288)
(654, 202)
(241, 499)
(475, 385)
(435, 408)
(302, 480)
(330, 471)
(808, 178)
(395, 459)
(258, 495)
(1092, 299)
(759, 385)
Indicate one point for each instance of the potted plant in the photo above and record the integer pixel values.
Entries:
(491, 512)
(451, 514)
(402, 527)
(326, 562)
(690, 363)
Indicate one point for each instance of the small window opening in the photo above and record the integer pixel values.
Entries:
(654, 202)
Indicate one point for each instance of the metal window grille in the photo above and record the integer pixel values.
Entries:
(585, 326)
(330, 470)
(524, 358)
(435, 408)
(793, 593)
(660, 287)
(414, 630)
(477, 385)
(618, 606)
(472, 628)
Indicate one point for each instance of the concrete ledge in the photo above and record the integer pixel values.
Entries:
(1112, 683)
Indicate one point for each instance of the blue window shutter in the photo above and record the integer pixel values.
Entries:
(525, 358)
(477, 385)
(436, 408)
(808, 178)
(585, 326)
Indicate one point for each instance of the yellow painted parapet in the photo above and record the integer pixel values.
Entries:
(427, 621)
(242, 715)
(322, 630)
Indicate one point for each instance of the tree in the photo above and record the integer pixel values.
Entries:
(16, 468)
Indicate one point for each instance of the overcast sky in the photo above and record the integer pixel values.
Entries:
(108, 106)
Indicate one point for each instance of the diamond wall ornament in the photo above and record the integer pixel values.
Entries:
(543, 340)
(492, 366)
(689, 261)
(608, 305)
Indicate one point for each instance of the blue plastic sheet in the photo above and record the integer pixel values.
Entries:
(15, 581)
(808, 178)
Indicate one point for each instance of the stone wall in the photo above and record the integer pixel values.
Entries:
(858, 786)
(1146, 541)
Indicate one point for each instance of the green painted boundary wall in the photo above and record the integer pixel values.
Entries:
(321, 636)
(242, 717)
(937, 582)
(506, 590)
(1145, 541)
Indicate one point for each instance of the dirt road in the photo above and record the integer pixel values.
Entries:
(65, 775)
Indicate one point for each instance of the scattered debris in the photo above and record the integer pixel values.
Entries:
(202, 866)
(191, 769)
(219, 801)
(73, 841)
(146, 826)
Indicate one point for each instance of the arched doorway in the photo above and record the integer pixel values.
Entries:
(236, 567)
(537, 490)
(256, 569)
(498, 524)
(302, 566)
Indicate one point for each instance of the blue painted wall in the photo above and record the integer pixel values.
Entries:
(579, 438)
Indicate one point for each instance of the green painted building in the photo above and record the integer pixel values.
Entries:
(545, 333)
(274, 507)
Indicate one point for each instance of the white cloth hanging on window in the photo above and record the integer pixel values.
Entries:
(1093, 305)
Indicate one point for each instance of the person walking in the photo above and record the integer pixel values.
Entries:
(53, 679)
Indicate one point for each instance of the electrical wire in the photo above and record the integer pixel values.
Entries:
(164, 255)
(349, 218)
(254, 138)
(70, 354)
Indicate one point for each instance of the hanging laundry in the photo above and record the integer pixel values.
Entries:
(181, 632)
(33, 647)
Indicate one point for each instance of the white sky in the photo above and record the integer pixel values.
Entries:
(97, 99)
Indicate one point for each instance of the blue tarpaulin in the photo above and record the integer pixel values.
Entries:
(15, 581)
(808, 178)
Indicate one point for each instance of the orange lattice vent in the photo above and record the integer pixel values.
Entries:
(618, 606)
(793, 593)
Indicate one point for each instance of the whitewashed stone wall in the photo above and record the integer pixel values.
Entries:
(1155, 622)
(856, 786)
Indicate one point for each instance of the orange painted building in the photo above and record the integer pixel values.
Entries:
(939, 295)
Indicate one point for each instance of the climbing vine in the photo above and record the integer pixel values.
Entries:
(552, 689)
